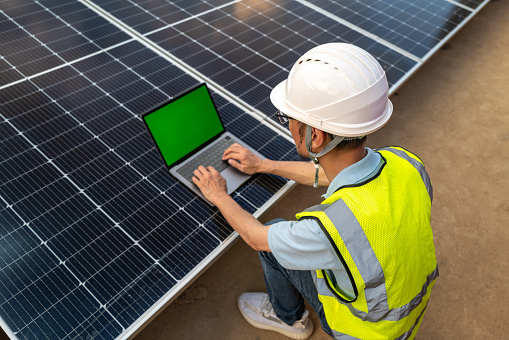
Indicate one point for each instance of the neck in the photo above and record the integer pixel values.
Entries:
(335, 161)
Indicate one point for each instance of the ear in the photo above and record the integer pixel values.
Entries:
(318, 139)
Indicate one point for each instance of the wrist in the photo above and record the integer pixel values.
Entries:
(266, 166)
(219, 198)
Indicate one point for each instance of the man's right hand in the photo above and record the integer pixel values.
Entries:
(242, 159)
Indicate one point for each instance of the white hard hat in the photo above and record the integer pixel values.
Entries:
(338, 88)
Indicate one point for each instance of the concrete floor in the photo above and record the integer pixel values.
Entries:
(454, 114)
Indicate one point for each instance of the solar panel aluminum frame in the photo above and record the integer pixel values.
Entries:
(436, 48)
(158, 307)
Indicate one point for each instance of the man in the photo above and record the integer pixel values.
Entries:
(364, 259)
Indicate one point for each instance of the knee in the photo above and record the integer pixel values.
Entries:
(266, 256)
(268, 259)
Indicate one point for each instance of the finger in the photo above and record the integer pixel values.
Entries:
(236, 164)
(201, 172)
(196, 181)
(235, 156)
(198, 173)
(202, 169)
(238, 155)
(228, 152)
(212, 170)
(235, 148)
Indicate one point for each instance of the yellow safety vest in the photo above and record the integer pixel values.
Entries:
(380, 230)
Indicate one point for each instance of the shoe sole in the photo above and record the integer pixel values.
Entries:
(292, 335)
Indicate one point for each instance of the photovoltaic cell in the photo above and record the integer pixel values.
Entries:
(249, 49)
(40, 36)
(415, 26)
(83, 185)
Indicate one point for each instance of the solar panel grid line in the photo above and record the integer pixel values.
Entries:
(267, 33)
(141, 277)
(403, 79)
(65, 64)
(454, 31)
(393, 66)
(93, 255)
(102, 211)
(241, 45)
(428, 23)
(22, 156)
(55, 286)
(115, 8)
(16, 70)
(429, 10)
(23, 225)
(49, 70)
(33, 36)
(218, 87)
(267, 203)
(207, 230)
(27, 225)
(402, 22)
(473, 4)
(186, 238)
(86, 322)
(168, 217)
(361, 30)
(172, 294)
(20, 258)
(78, 18)
(253, 50)
(190, 17)
(212, 84)
(109, 302)
(240, 69)
(98, 138)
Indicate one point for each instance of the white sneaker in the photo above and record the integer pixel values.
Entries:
(257, 310)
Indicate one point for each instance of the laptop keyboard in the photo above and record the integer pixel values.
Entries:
(211, 157)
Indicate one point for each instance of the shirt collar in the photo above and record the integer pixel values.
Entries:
(356, 173)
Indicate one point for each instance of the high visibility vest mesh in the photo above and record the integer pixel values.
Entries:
(396, 265)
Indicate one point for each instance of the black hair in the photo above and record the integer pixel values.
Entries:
(345, 145)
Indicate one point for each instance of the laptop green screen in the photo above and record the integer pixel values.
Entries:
(181, 126)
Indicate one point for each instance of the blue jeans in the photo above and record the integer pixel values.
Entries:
(288, 288)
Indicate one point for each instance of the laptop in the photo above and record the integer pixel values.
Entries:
(188, 132)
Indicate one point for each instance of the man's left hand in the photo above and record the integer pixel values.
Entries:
(210, 182)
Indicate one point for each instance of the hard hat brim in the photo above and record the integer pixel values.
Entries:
(278, 99)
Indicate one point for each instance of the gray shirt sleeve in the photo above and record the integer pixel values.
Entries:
(301, 245)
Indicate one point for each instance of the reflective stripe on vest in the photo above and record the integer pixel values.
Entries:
(406, 335)
(377, 314)
(416, 162)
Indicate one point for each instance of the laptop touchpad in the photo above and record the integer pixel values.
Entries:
(234, 178)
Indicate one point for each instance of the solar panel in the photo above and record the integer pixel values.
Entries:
(247, 48)
(95, 236)
(414, 26)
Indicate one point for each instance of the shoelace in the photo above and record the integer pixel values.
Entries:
(267, 309)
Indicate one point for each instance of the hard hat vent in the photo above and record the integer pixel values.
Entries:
(338, 88)
(315, 82)
(317, 60)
